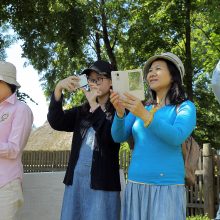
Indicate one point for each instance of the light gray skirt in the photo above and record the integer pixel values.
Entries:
(154, 202)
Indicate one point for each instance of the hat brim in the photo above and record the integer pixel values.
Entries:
(89, 70)
(10, 80)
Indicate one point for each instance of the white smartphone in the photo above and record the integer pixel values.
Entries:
(129, 81)
(83, 81)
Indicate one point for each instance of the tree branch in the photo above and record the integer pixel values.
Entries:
(206, 35)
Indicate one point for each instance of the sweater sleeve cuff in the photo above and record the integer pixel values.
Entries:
(55, 103)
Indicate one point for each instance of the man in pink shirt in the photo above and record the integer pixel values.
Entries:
(15, 126)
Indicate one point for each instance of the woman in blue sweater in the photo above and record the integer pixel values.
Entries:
(155, 188)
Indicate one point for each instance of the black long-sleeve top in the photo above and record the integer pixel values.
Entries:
(105, 161)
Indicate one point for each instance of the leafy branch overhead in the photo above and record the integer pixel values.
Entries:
(63, 37)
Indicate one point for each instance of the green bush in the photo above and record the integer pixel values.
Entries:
(198, 217)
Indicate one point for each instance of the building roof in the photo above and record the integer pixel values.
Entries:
(47, 139)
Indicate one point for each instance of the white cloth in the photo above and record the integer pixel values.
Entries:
(215, 85)
(11, 200)
(216, 74)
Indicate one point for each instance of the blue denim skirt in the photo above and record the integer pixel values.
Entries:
(154, 202)
(80, 202)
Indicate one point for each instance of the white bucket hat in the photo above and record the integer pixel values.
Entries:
(8, 73)
(166, 56)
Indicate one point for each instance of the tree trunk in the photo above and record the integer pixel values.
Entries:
(188, 61)
(109, 49)
(98, 46)
(97, 41)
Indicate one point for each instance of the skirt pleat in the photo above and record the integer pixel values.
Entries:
(154, 202)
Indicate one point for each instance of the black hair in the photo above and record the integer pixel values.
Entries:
(176, 93)
(12, 87)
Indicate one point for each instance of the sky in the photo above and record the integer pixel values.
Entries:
(29, 81)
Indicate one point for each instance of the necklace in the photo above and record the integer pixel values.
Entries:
(159, 104)
(152, 112)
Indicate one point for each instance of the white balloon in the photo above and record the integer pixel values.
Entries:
(215, 85)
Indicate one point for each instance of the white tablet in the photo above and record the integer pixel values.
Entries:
(129, 81)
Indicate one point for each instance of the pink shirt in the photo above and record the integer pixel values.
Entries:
(16, 120)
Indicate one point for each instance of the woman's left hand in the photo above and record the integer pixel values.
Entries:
(134, 105)
(92, 94)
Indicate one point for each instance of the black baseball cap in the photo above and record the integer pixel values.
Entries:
(101, 67)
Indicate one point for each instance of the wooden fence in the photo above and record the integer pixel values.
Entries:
(202, 198)
(45, 161)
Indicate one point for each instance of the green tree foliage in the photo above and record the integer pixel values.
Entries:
(208, 114)
(62, 37)
(205, 43)
(53, 35)
(157, 26)
(6, 39)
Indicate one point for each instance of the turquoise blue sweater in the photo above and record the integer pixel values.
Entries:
(157, 156)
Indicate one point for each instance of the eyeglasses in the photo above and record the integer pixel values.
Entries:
(97, 81)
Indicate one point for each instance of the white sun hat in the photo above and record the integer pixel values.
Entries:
(8, 73)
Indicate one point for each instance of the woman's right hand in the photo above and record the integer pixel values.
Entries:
(115, 100)
(70, 83)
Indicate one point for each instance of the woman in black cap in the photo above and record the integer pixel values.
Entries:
(155, 188)
(92, 179)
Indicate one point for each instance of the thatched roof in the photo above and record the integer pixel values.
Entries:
(46, 138)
